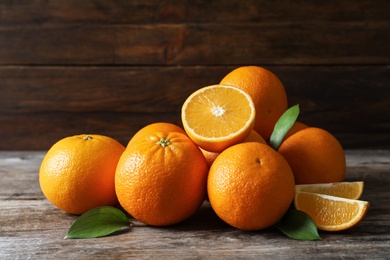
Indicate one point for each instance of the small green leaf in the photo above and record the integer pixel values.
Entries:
(283, 125)
(99, 222)
(298, 225)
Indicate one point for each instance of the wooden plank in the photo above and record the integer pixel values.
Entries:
(155, 11)
(221, 32)
(18, 175)
(39, 105)
(164, 89)
(91, 89)
(30, 227)
(40, 131)
(197, 44)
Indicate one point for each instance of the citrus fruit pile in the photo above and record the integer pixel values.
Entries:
(223, 153)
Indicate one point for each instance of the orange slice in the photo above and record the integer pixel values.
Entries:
(348, 190)
(218, 116)
(331, 213)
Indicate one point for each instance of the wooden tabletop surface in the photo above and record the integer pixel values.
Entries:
(32, 228)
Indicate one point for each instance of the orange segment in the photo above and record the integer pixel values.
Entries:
(331, 213)
(218, 116)
(348, 190)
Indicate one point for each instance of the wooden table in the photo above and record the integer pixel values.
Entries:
(32, 228)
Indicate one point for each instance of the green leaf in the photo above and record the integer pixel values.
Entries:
(298, 225)
(283, 125)
(99, 222)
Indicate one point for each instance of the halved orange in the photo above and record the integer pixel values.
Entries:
(331, 213)
(348, 190)
(218, 116)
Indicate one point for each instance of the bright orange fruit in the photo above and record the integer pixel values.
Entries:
(209, 156)
(315, 156)
(252, 137)
(77, 173)
(156, 127)
(267, 92)
(217, 116)
(331, 213)
(297, 126)
(250, 186)
(161, 178)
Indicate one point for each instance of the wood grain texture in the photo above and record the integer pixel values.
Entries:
(42, 105)
(197, 44)
(194, 32)
(30, 227)
(113, 66)
(171, 11)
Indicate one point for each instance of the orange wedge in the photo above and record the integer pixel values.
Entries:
(218, 116)
(331, 213)
(348, 190)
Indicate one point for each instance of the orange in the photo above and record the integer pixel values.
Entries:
(315, 156)
(209, 156)
(156, 127)
(252, 137)
(250, 186)
(348, 190)
(77, 173)
(297, 126)
(267, 92)
(161, 178)
(331, 213)
(216, 117)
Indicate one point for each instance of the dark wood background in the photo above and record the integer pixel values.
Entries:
(111, 67)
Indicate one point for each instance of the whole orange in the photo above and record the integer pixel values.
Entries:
(297, 126)
(77, 173)
(157, 127)
(267, 92)
(209, 156)
(252, 137)
(161, 178)
(315, 156)
(250, 186)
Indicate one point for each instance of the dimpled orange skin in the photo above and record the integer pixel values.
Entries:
(267, 92)
(250, 186)
(77, 173)
(297, 126)
(158, 185)
(315, 156)
(252, 137)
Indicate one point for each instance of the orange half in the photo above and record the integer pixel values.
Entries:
(218, 116)
(331, 213)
